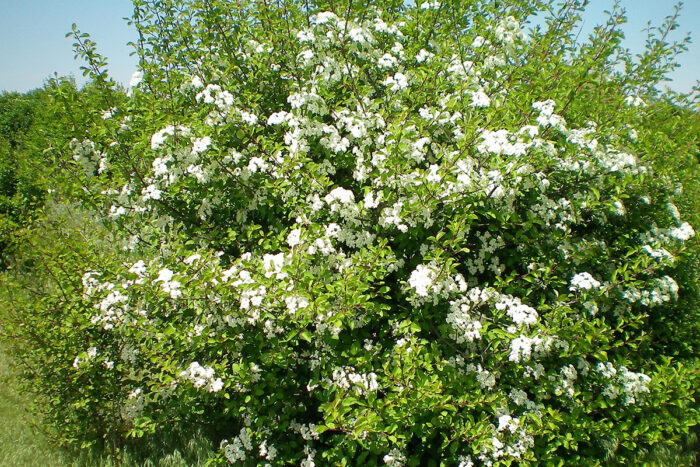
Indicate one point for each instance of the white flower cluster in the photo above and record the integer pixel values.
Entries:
(307, 432)
(90, 159)
(521, 314)
(199, 145)
(202, 376)
(503, 142)
(338, 197)
(114, 306)
(465, 326)
(251, 295)
(395, 458)
(583, 281)
(213, 94)
(523, 348)
(485, 257)
(348, 378)
(621, 162)
(559, 212)
(623, 382)
(273, 264)
(423, 279)
(480, 98)
(662, 255)
(159, 137)
(506, 422)
(464, 321)
(134, 405)
(223, 101)
(508, 31)
(665, 289)
(568, 378)
(509, 440)
(431, 285)
(520, 398)
(267, 452)
(295, 303)
(583, 137)
(681, 233)
(168, 285)
(396, 83)
(635, 101)
(547, 117)
(633, 385)
(236, 451)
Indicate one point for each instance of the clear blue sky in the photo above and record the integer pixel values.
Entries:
(33, 46)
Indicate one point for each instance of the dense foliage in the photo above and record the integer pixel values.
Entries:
(340, 234)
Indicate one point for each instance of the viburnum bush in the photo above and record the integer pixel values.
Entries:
(387, 233)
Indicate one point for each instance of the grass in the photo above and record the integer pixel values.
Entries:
(20, 444)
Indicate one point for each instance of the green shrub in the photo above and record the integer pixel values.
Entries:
(334, 234)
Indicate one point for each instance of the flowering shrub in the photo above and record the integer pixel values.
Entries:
(393, 234)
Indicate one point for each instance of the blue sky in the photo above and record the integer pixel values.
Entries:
(34, 47)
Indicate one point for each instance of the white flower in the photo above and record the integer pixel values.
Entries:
(294, 238)
(136, 78)
(295, 303)
(216, 385)
(197, 82)
(583, 281)
(372, 199)
(682, 233)
(340, 195)
(430, 5)
(332, 230)
(395, 83)
(202, 377)
(506, 422)
(423, 55)
(138, 268)
(151, 192)
(160, 136)
(278, 118)
(200, 144)
(324, 17)
(387, 61)
(168, 285)
(249, 118)
(192, 259)
(165, 275)
(306, 55)
(422, 278)
(635, 101)
(394, 459)
(480, 99)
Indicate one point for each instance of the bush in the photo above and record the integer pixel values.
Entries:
(340, 234)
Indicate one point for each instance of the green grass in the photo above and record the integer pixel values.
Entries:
(20, 444)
